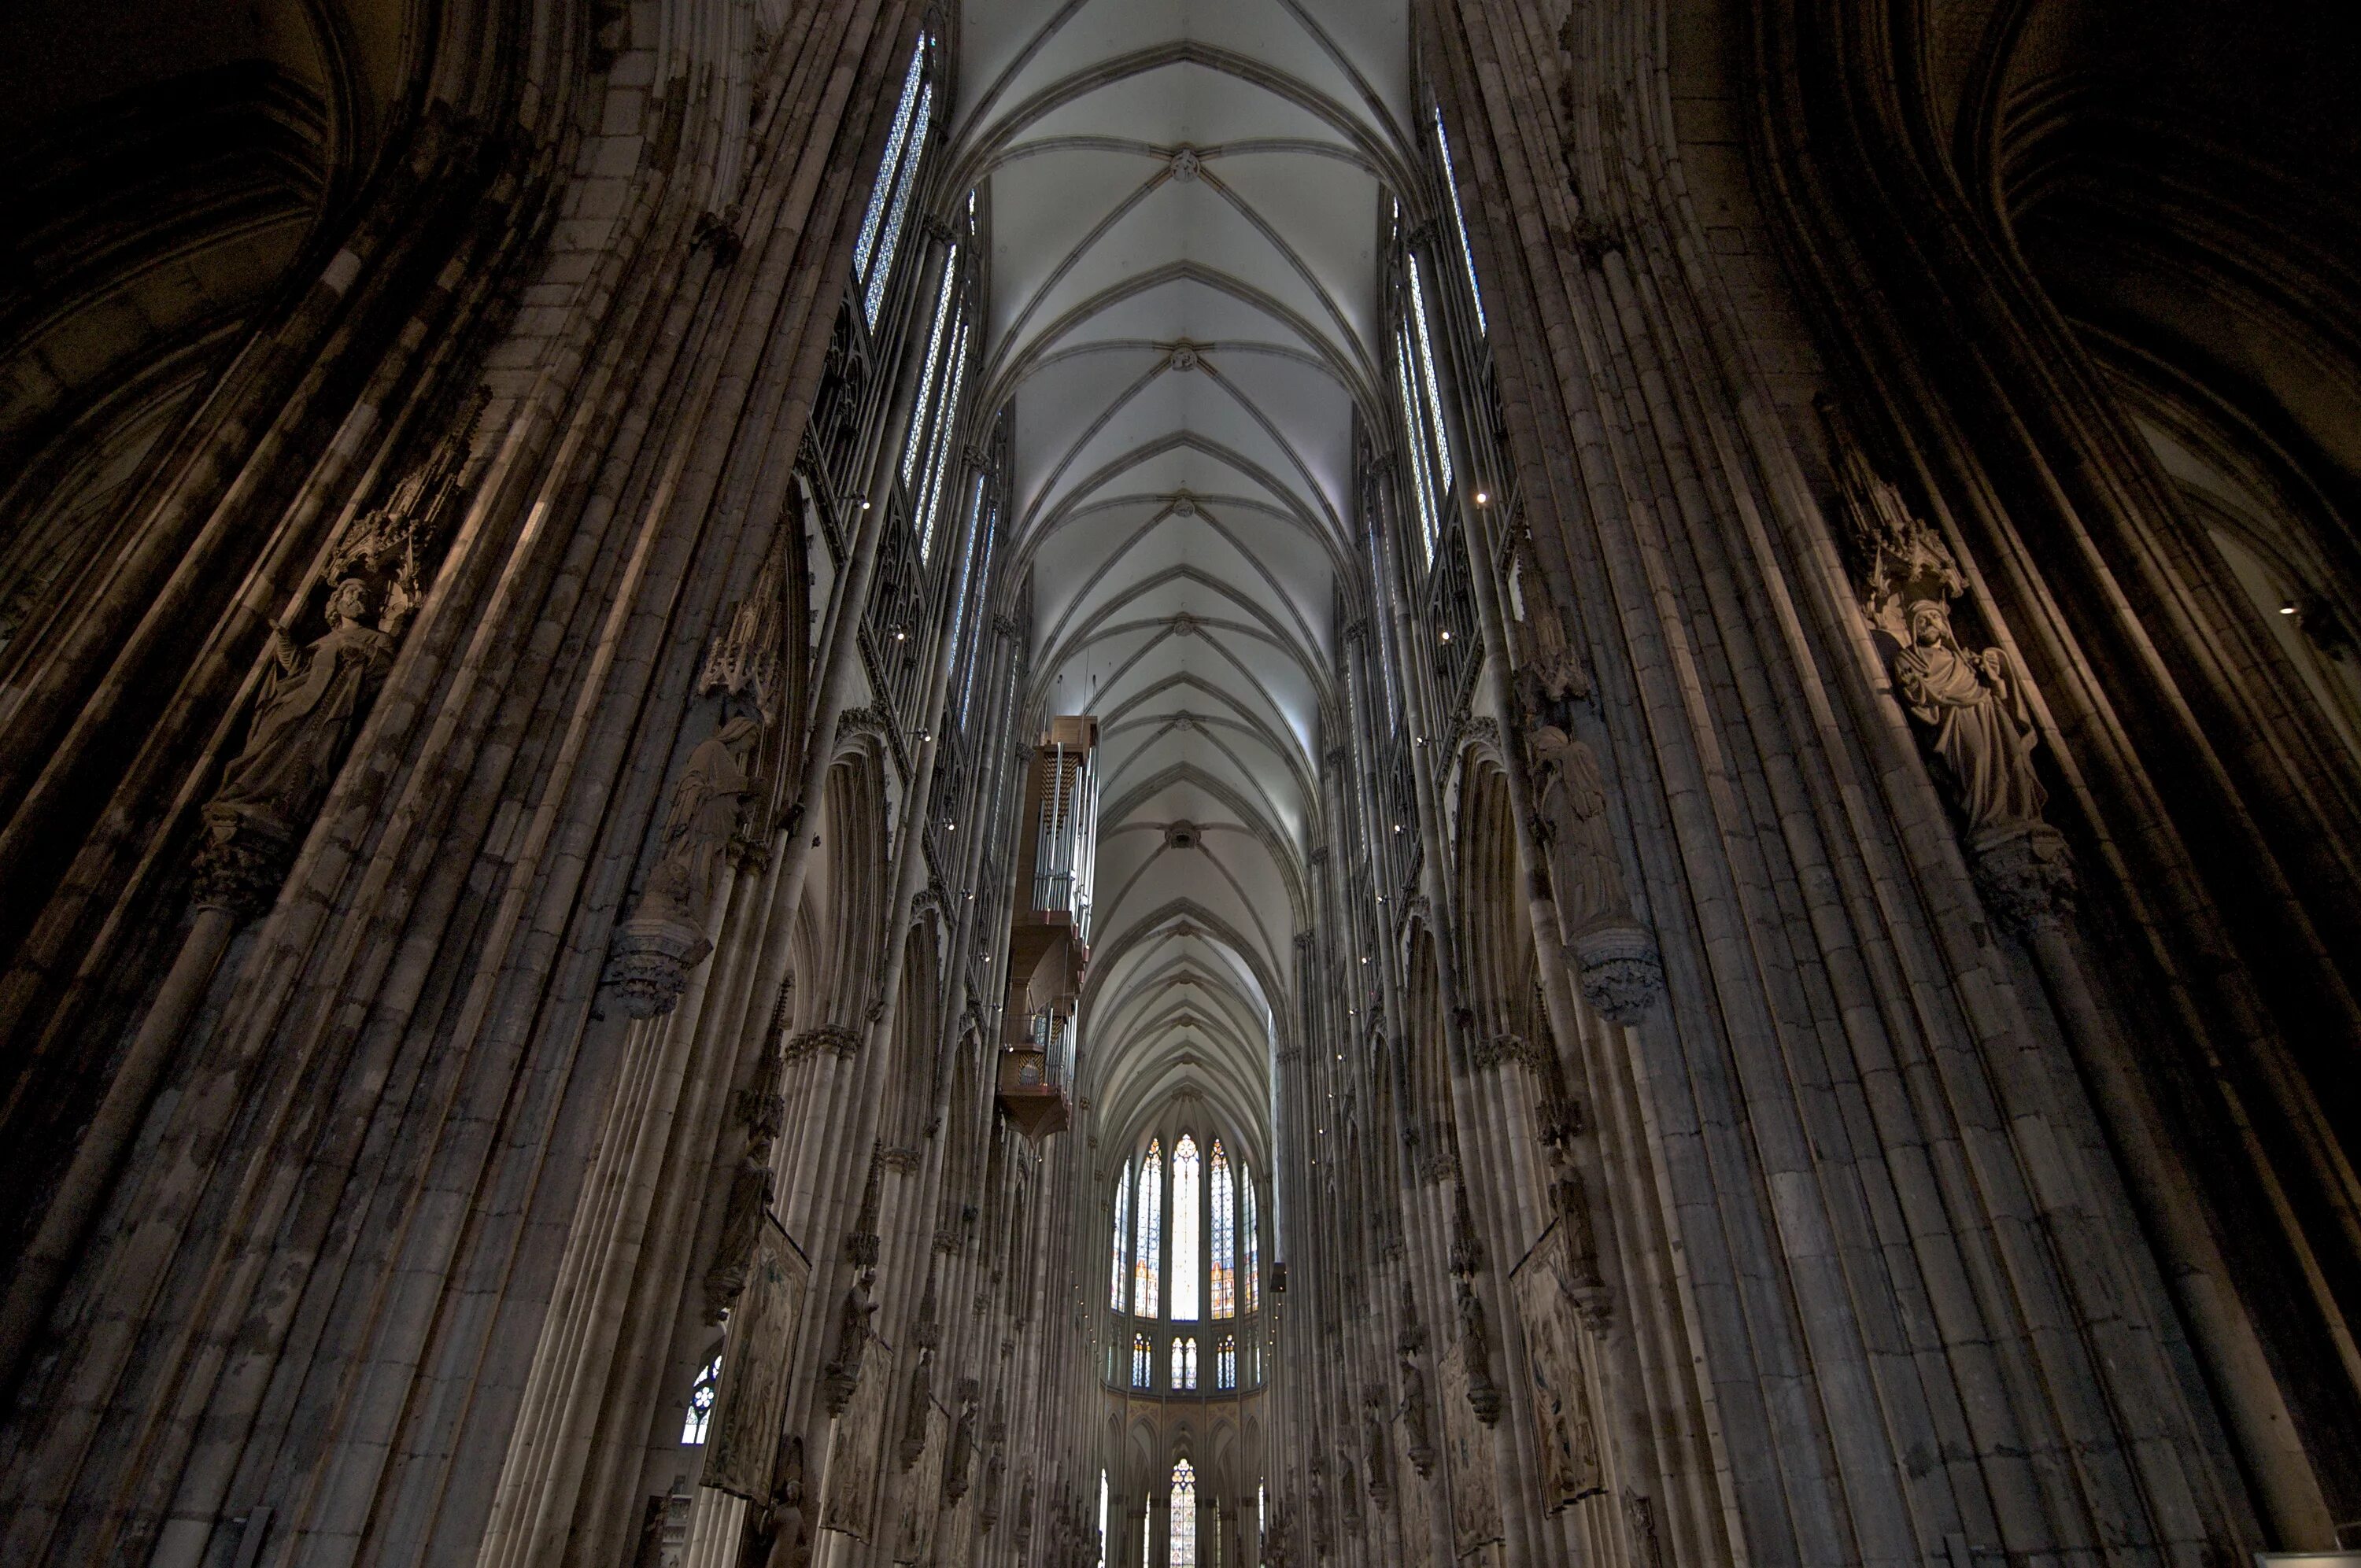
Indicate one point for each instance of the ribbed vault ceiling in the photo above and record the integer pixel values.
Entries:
(1185, 200)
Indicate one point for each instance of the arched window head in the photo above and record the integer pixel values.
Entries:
(1184, 1364)
(1139, 1361)
(1225, 1361)
(1184, 1516)
(1122, 1225)
(1225, 1273)
(1144, 1277)
(701, 1395)
(1188, 1192)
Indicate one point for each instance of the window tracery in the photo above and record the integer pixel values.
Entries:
(1140, 1357)
(1225, 1361)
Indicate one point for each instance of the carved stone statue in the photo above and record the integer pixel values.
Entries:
(1475, 1341)
(1414, 1417)
(914, 1420)
(742, 1222)
(962, 1447)
(664, 938)
(987, 1513)
(1570, 802)
(704, 815)
(1570, 1198)
(1978, 725)
(1970, 709)
(1373, 1442)
(843, 1374)
(1615, 954)
(312, 705)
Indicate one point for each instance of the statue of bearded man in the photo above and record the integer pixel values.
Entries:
(1972, 711)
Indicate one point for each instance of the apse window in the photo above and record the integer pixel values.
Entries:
(1144, 1278)
(1139, 1361)
(1187, 1193)
(1224, 1272)
(1225, 1361)
(1184, 1364)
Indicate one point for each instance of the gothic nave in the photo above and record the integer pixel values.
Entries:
(1217, 784)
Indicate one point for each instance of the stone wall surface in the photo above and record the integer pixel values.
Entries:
(1822, 1037)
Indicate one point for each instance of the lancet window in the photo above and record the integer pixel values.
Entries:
(1145, 1258)
(1122, 1226)
(1225, 1361)
(897, 178)
(1139, 1361)
(1459, 220)
(1224, 1271)
(1184, 1364)
(930, 450)
(1188, 1192)
(1252, 1291)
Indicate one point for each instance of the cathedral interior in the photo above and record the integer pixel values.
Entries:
(1217, 784)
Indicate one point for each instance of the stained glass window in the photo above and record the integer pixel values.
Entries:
(1122, 1222)
(1184, 1366)
(1459, 221)
(700, 1401)
(1253, 1282)
(946, 441)
(1139, 1361)
(983, 525)
(1225, 1361)
(872, 223)
(1421, 485)
(915, 440)
(1185, 1517)
(904, 181)
(1188, 1192)
(1224, 1227)
(1426, 375)
(1102, 1513)
(1149, 1233)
